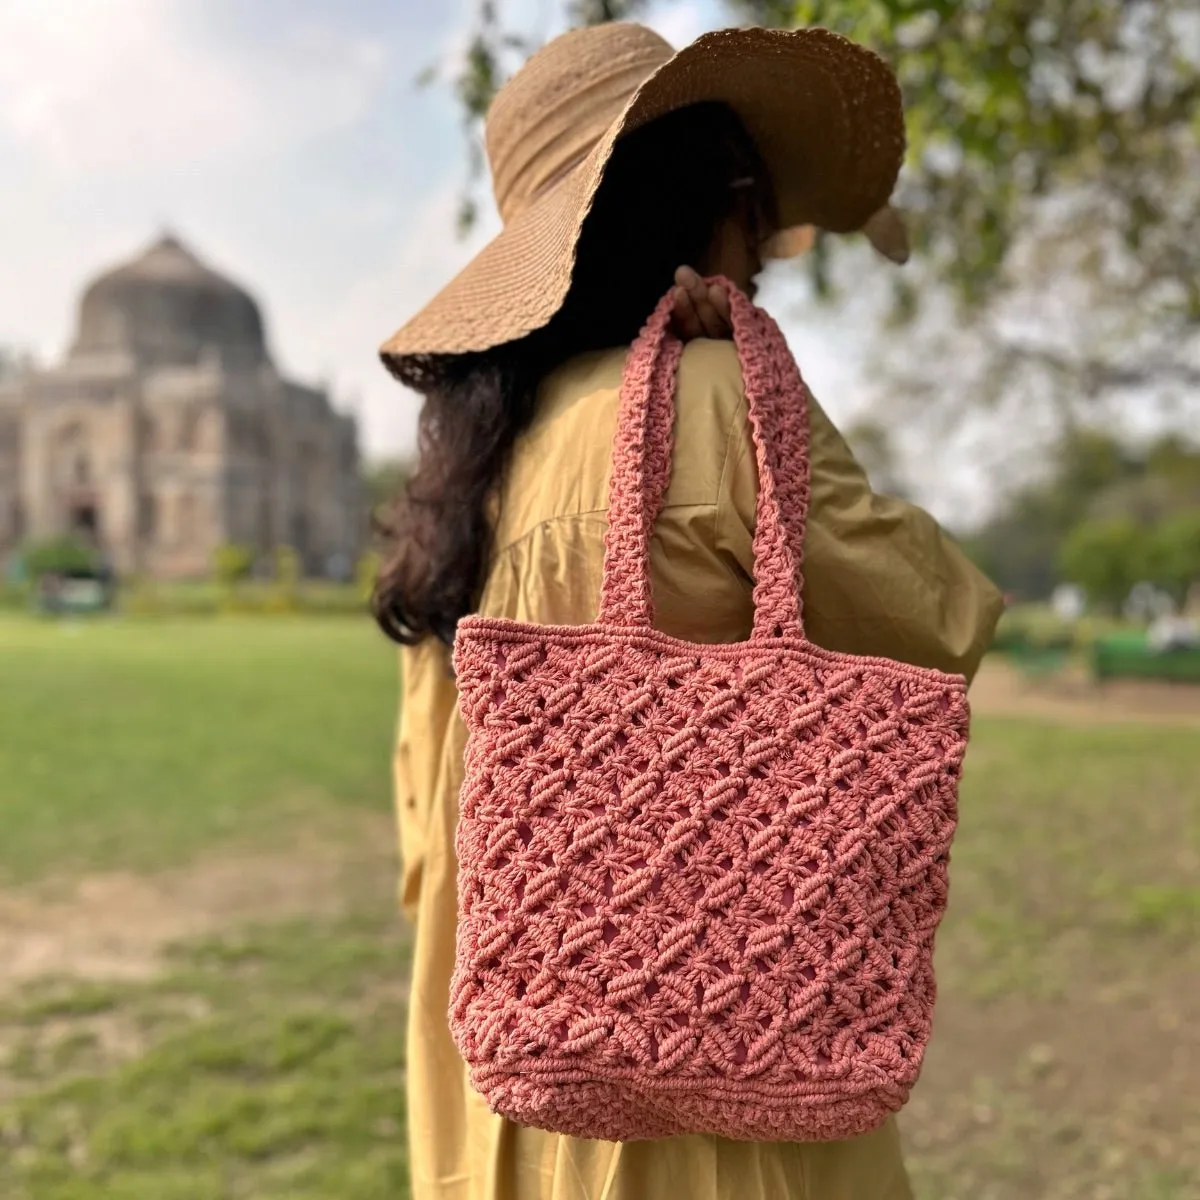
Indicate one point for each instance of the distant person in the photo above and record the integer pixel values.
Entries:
(615, 163)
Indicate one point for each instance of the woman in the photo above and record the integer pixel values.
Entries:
(614, 161)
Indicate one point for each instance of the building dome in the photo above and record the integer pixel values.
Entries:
(167, 308)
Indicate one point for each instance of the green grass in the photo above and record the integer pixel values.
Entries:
(1073, 843)
(267, 1061)
(1067, 1040)
(138, 743)
(262, 1063)
(265, 1065)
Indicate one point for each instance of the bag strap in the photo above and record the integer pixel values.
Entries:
(641, 470)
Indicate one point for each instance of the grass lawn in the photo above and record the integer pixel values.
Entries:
(1065, 1061)
(138, 744)
(265, 1059)
(262, 1057)
(263, 1064)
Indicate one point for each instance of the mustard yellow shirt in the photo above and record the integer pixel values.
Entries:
(881, 578)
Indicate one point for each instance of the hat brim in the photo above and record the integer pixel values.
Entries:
(826, 116)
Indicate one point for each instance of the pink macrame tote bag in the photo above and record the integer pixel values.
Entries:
(699, 884)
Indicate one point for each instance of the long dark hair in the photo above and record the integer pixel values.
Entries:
(667, 189)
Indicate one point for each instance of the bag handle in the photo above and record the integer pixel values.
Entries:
(641, 468)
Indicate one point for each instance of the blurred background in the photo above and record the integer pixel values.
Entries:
(210, 216)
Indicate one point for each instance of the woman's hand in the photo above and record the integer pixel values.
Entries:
(701, 311)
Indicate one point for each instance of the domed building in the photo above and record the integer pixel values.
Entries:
(167, 431)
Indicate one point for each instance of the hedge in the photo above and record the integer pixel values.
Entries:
(1131, 657)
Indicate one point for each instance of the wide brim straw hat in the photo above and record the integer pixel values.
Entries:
(824, 112)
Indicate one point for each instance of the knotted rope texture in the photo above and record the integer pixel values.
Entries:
(698, 884)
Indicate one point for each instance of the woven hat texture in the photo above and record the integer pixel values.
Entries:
(699, 884)
(825, 113)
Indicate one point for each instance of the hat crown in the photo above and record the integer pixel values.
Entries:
(549, 116)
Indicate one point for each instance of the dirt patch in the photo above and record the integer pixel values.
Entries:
(1001, 691)
(116, 925)
(1094, 1094)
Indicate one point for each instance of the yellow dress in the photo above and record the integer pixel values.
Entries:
(880, 578)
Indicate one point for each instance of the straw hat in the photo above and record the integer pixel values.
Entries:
(825, 114)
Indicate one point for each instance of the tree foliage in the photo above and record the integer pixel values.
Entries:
(1075, 523)
(1013, 100)
(1106, 558)
(1176, 554)
(1007, 101)
(1020, 547)
(1052, 188)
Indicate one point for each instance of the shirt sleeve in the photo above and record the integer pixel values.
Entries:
(881, 577)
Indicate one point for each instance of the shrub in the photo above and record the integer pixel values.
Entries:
(1036, 629)
(57, 555)
(232, 563)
